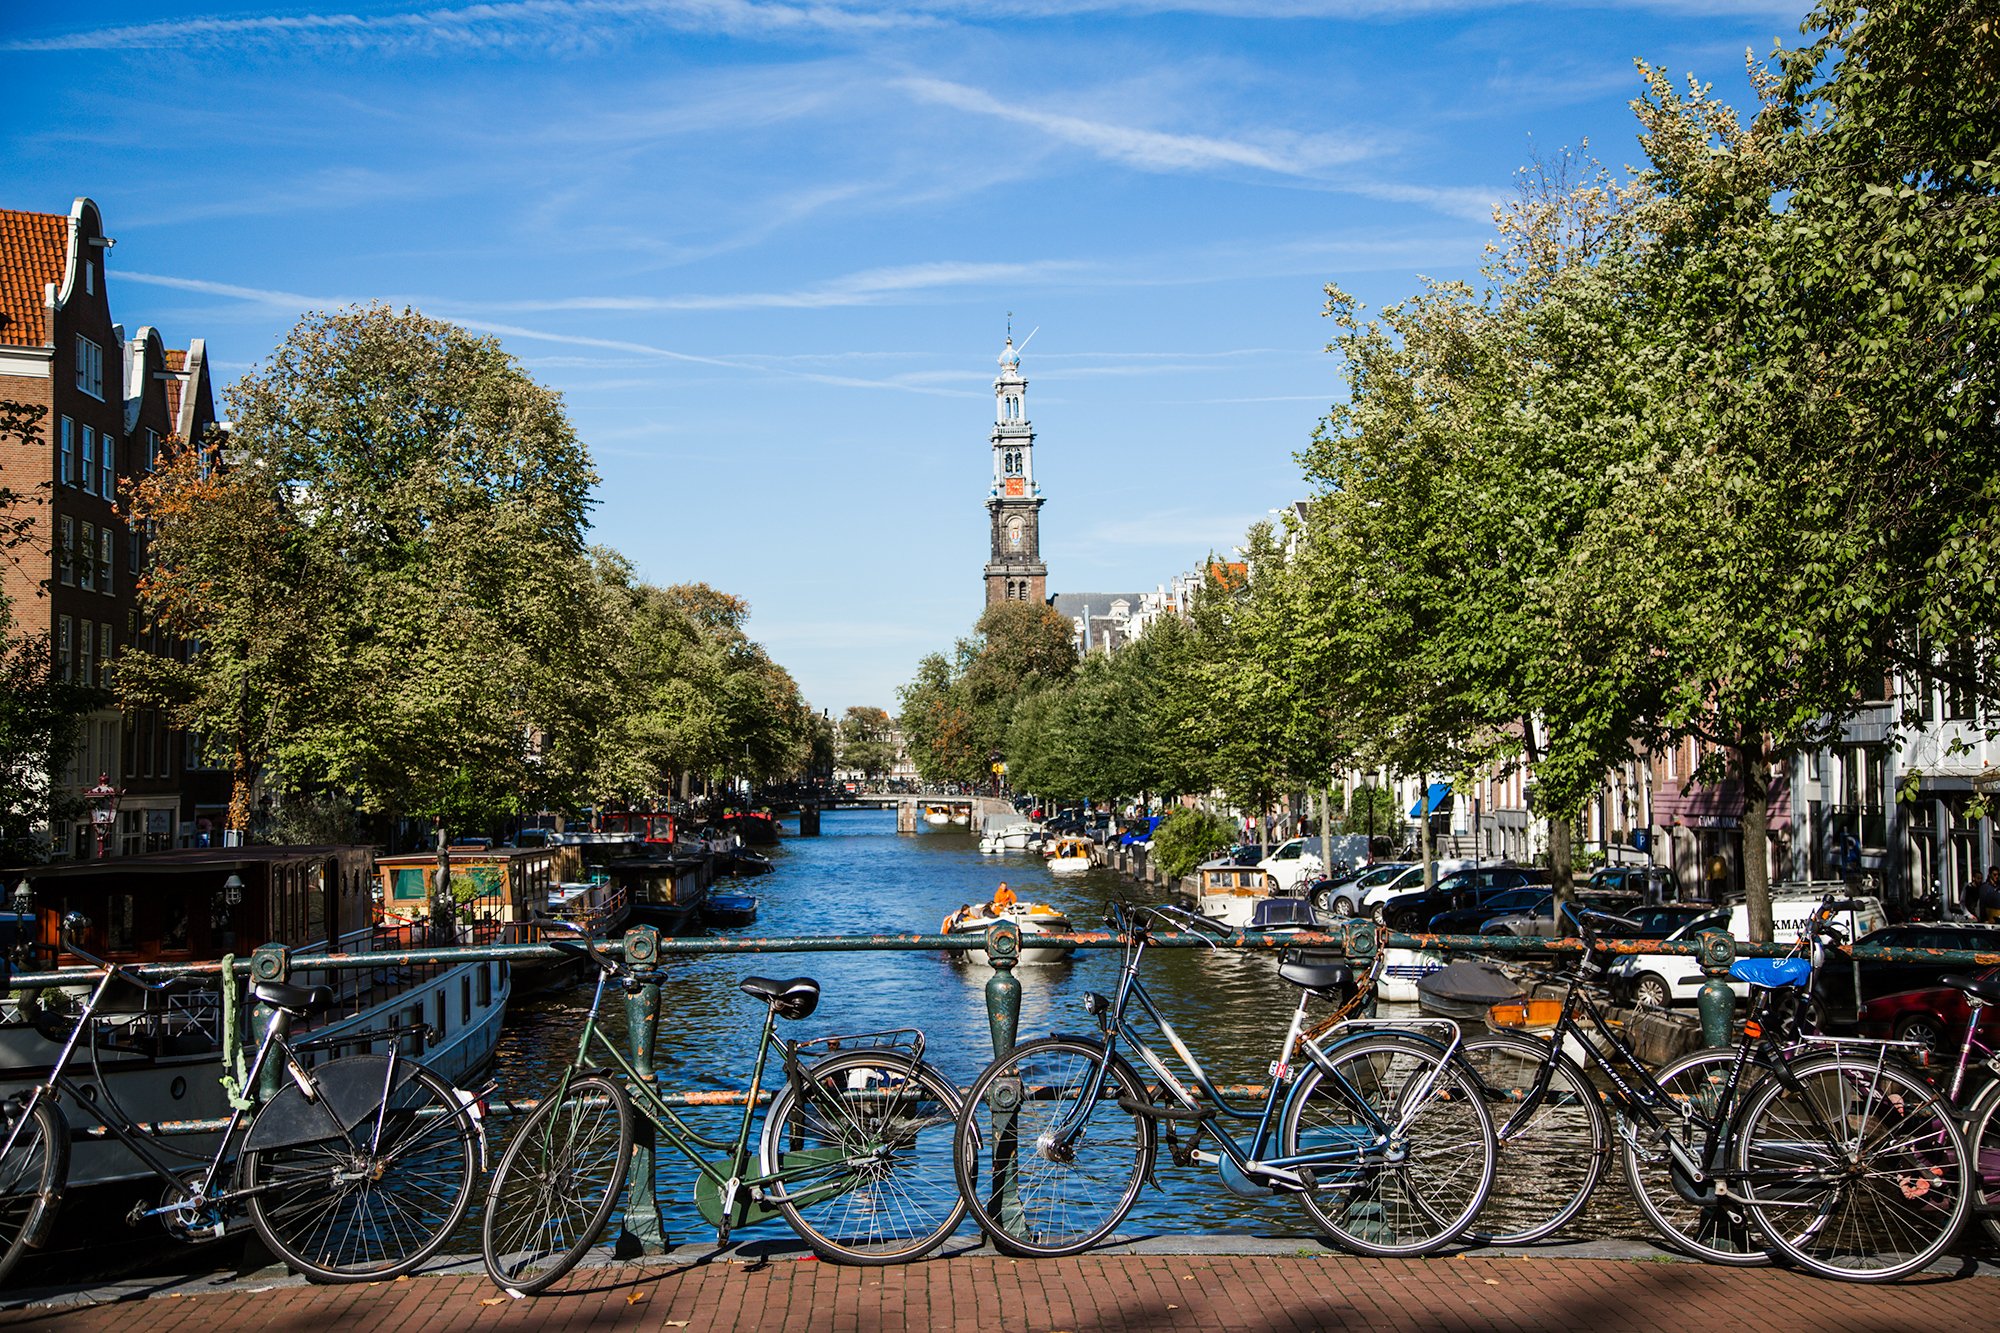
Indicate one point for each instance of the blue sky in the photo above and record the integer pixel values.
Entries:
(767, 251)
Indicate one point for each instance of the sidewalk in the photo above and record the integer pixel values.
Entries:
(1296, 1288)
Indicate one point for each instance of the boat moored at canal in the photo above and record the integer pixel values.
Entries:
(1228, 893)
(163, 1056)
(1035, 920)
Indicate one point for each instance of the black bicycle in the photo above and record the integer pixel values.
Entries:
(355, 1171)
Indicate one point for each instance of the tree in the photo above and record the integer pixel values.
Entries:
(867, 741)
(957, 710)
(417, 504)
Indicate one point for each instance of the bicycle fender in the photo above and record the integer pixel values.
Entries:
(350, 1090)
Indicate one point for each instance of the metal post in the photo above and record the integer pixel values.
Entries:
(1715, 1000)
(645, 1230)
(1357, 945)
(1003, 1018)
(270, 962)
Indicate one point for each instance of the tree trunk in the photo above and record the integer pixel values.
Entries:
(1424, 837)
(1326, 829)
(240, 778)
(1562, 860)
(1754, 774)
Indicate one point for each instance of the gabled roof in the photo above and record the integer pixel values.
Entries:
(34, 250)
(177, 358)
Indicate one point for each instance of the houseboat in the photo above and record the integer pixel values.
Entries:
(497, 890)
(1228, 893)
(160, 1056)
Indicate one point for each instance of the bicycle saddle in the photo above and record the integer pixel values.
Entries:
(1319, 978)
(1771, 973)
(295, 1000)
(1984, 988)
(794, 997)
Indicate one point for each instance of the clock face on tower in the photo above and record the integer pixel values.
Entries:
(1015, 486)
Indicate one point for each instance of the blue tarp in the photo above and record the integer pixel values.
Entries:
(1436, 799)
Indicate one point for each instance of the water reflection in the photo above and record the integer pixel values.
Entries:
(861, 877)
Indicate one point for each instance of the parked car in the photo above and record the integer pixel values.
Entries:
(1646, 884)
(1292, 864)
(1529, 901)
(1652, 923)
(1139, 832)
(1669, 979)
(1876, 978)
(1350, 897)
(1934, 1017)
(1414, 911)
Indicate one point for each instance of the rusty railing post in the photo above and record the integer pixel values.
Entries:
(1715, 1000)
(1357, 946)
(645, 1230)
(270, 962)
(1003, 1019)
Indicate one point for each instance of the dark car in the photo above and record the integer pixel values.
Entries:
(1456, 892)
(1875, 978)
(1649, 923)
(1646, 884)
(1528, 901)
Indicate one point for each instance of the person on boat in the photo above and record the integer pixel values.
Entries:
(1003, 897)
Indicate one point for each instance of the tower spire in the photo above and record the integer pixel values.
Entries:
(1016, 572)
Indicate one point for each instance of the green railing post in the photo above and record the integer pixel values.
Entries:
(1715, 1000)
(270, 962)
(1003, 988)
(645, 1230)
(1003, 1019)
(1357, 945)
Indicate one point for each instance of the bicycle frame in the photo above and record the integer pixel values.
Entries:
(734, 1188)
(1115, 1022)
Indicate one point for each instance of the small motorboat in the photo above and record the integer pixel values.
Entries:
(729, 909)
(743, 861)
(936, 815)
(1033, 919)
(1283, 916)
(1468, 988)
(1069, 856)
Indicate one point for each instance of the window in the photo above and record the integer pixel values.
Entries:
(85, 643)
(152, 443)
(89, 367)
(63, 629)
(104, 562)
(86, 559)
(66, 552)
(66, 458)
(104, 653)
(89, 461)
(107, 468)
(1959, 667)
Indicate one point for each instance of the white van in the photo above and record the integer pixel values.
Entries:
(1661, 980)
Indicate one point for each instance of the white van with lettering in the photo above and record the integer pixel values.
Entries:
(1659, 980)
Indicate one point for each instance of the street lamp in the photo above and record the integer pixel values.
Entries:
(103, 800)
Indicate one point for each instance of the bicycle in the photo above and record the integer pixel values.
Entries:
(1377, 1131)
(844, 1156)
(1981, 1118)
(1722, 1147)
(355, 1171)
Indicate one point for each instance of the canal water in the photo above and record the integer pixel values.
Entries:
(861, 877)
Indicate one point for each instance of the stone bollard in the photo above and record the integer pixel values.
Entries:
(270, 962)
(1716, 1002)
(645, 1230)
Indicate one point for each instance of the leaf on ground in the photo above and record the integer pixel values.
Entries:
(492, 1300)
(635, 1297)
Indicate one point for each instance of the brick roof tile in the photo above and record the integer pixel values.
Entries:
(33, 249)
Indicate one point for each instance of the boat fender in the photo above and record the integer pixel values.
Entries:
(350, 1091)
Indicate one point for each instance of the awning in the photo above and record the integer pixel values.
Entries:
(1437, 799)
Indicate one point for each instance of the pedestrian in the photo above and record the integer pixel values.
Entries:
(1989, 895)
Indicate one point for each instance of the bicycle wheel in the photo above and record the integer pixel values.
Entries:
(1413, 1142)
(1033, 1188)
(1982, 1142)
(366, 1206)
(1552, 1151)
(557, 1184)
(1855, 1171)
(1694, 1216)
(866, 1158)
(32, 1172)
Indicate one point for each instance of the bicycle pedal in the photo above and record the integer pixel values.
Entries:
(1202, 1157)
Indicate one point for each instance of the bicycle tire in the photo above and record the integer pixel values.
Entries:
(1982, 1142)
(1423, 1190)
(32, 1173)
(867, 1158)
(1716, 1229)
(1026, 1200)
(1895, 1204)
(1552, 1154)
(359, 1208)
(557, 1185)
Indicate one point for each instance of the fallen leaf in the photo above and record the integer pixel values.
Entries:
(1492, 1281)
(493, 1300)
(1173, 1307)
(635, 1298)
(675, 1323)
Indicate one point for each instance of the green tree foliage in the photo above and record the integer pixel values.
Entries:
(867, 741)
(956, 712)
(1186, 838)
(386, 578)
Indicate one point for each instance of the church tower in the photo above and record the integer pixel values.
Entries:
(1016, 572)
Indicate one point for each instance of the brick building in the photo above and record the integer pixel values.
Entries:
(109, 404)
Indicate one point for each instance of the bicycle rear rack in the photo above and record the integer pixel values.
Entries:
(910, 1040)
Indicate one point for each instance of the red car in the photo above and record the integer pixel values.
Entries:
(1935, 1016)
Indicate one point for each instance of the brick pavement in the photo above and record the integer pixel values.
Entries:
(1258, 1293)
